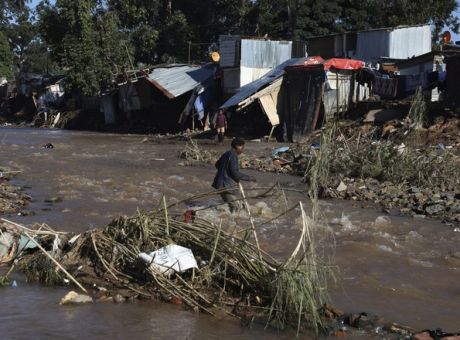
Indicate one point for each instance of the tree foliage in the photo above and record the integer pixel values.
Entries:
(85, 41)
(6, 58)
(90, 40)
(359, 14)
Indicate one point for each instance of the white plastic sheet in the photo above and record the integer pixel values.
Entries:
(171, 258)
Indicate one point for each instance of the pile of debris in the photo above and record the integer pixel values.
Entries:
(194, 263)
(194, 154)
(12, 200)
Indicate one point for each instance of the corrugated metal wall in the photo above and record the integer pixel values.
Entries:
(258, 57)
(373, 45)
(229, 50)
(337, 96)
(264, 54)
(409, 42)
(250, 74)
(398, 43)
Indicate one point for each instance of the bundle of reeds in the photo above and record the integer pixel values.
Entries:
(233, 275)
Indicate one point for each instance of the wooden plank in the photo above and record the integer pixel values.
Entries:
(269, 107)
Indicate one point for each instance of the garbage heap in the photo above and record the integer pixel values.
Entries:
(194, 263)
(12, 200)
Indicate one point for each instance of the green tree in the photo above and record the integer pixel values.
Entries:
(172, 45)
(85, 42)
(9, 10)
(6, 58)
(297, 19)
(142, 21)
(358, 14)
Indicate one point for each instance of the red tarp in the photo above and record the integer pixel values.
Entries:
(334, 63)
(343, 64)
(310, 62)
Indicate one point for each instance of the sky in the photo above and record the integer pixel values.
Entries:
(456, 37)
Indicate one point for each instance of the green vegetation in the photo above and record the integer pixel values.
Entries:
(92, 40)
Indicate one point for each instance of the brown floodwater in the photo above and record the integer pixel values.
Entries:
(405, 270)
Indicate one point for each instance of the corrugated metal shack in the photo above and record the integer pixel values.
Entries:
(296, 96)
(246, 60)
(167, 99)
(400, 42)
(302, 93)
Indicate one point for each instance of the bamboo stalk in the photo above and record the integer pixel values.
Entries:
(301, 240)
(246, 237)
(166, 215)
(102, 260)
(215, 244)
(37, 232)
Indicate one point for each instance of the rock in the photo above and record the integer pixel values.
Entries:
(448, 196)
(119, 298)
(105, 298)
(262, 209)
(422, 336)
(455, 208)
(414, 190)
(382, 220)
(419, 197)
(362, 321)
(53, 200)
(342, 187)
(73, 298)
(434, 209)
(418, 216)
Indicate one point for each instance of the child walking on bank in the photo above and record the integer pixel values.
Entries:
(221, 125)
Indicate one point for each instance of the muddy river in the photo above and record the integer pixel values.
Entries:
(405, 270)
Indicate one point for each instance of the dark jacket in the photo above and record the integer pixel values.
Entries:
(228, 171)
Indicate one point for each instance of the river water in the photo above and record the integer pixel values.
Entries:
(405, 270)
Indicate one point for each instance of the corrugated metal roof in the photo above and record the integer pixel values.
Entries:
(251, 88)
(176, 80)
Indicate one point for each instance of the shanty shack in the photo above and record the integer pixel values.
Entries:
(296, 96)
(314, 90)
(167, 98)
